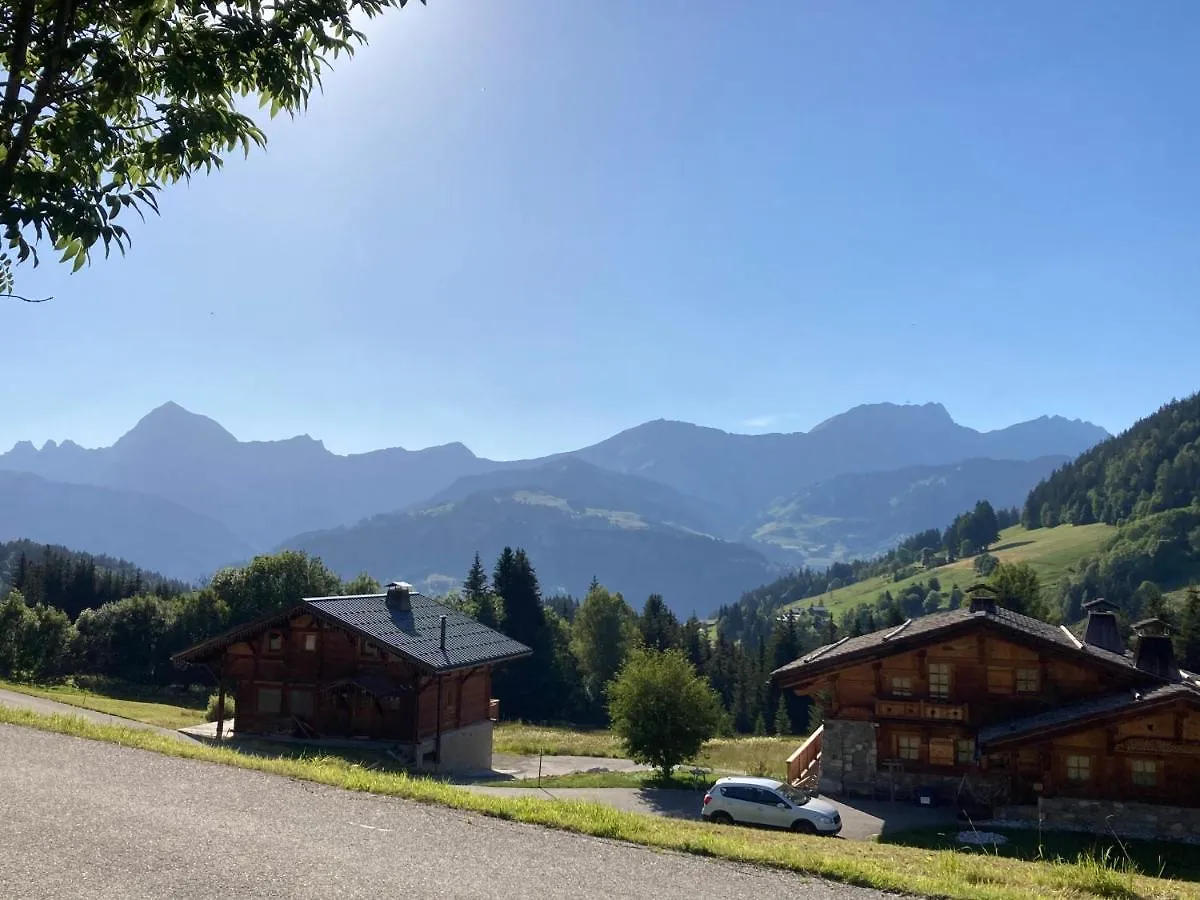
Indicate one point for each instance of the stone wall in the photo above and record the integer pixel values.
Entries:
(1134, 820)
(850, 767)
(848, 758)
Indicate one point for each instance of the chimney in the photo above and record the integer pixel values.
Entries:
(1101, 630)
(443, 634)
(399, 596)
(1152, 650)
(983, 598)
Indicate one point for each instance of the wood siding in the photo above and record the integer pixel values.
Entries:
(929, 704)
(284, 677)
(976, 680)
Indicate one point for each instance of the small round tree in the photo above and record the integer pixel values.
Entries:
(661, 709)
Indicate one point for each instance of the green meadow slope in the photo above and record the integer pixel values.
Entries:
(1052, 552)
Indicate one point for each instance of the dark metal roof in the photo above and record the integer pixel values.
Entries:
(922, 630)
(1080, 715)
(416, 633)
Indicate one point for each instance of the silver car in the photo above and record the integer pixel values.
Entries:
(765, 801)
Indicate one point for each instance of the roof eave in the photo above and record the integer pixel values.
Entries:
(206, 650)
(819, 667)
(1091, 721)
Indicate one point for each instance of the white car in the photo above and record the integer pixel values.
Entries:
(765, 801)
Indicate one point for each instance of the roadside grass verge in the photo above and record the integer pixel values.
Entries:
(913, 870)
(1162, 858)
(163, 707)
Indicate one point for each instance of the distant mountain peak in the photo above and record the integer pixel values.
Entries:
(888, 414)
(171, 423)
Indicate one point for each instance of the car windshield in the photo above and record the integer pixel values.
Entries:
(797, 797)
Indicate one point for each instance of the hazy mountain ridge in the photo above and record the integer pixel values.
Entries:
(568, 542)
(179, 542)
(860, 515)
(666, 478)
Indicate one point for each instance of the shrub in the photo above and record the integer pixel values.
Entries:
(210, 714)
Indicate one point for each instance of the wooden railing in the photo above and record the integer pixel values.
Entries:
(804, 765)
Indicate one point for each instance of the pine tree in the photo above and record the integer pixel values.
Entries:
(478, 600)
(1189, 631)
(526, 686)
(783, 723)
(659, 627)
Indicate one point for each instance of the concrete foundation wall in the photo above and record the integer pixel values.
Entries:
(468, 749)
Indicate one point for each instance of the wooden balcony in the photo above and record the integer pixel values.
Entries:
(804, 766)
(921, 710)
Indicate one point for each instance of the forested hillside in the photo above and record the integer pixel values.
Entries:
(1152, 467)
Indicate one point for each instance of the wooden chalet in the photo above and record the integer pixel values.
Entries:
(396, 667)
(983, 704)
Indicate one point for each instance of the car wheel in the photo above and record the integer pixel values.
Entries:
(721, 818)
(803, 826)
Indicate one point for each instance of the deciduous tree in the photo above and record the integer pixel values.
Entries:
(104, 102)
(662, 710)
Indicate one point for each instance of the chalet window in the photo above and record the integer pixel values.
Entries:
(965, 752)
(1000, 681)
(941, 751)
(310, 642)
(270, 700)
(1028, 681)
(274, 642)
(902, 686)
(939, 680)
(1144, 772)
(908, 746)
(1079, 768)
(300, 701)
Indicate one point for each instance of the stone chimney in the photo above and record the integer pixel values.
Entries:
(1152, 650)
(399, 596)
(1101, 630)
(982, 598)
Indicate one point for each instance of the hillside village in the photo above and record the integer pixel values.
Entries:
(1003, 666)
(570, 450)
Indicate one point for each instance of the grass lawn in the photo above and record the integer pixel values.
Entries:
(1051, 552)
(1160, 858)
(893, 867)
(763, 756)
(155, 706)
(530, 740)
(636, 780)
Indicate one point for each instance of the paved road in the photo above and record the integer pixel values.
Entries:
(53, 707)
(862, 821)
(92, 820)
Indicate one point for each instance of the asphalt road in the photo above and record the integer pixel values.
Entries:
(862, 821)
(93, 820)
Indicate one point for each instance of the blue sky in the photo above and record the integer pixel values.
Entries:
(527, 225)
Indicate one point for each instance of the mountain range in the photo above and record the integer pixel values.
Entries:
(682, 509)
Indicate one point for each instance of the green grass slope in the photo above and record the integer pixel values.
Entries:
(1052, 552)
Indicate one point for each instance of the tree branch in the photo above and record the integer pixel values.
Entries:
(24, 299)
(17, 57)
